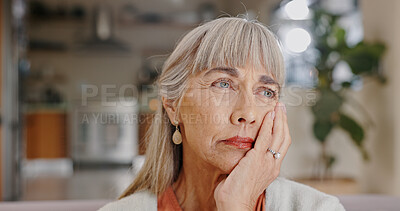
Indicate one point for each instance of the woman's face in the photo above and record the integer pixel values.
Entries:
(222, 111)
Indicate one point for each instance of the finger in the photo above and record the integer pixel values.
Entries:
(265, 133)
(278, 135)
(287, 140)
(278, 129)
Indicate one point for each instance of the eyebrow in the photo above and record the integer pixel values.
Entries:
(264, 79)
(227, 70)
(268, 80)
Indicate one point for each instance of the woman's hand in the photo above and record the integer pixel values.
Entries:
(258, 168)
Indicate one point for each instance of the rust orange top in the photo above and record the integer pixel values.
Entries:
(168, 201)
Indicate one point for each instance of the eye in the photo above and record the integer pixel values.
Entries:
(268, 93)
(223, 83)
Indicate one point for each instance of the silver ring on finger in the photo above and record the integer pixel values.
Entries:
(275, 154)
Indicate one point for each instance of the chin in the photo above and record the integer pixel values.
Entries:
(230, 160)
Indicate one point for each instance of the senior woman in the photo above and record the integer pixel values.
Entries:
(220, 134)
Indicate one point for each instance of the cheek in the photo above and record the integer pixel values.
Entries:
(205, 107)
(205, 120)
(264, 106)
(265, 102)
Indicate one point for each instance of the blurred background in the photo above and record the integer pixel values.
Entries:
(77, 94)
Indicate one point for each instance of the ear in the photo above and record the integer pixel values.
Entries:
(170, 108)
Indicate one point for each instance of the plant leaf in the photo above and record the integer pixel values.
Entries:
(364, 154)
(353, 128)
(328, 104)
(322, 129)
(364, 58)
(340, 36)
(356, 132)
(330, 161)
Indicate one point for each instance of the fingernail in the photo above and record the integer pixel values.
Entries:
(284, 107)
(272, 114)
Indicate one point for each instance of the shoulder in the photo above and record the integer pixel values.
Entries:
(142, 200)
(284, 194)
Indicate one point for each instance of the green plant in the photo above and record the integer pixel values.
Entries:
(363, 60)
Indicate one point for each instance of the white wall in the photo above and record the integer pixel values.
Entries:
(382, 22)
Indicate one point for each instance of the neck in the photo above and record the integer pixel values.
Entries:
(196, 183)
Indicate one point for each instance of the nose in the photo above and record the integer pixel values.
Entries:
(244, 111)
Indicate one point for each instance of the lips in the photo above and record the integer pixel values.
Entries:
(240, 142)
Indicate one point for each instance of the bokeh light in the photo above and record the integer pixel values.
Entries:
(297, 40)
(297, 9)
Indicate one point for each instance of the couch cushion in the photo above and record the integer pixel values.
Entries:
(370, 202)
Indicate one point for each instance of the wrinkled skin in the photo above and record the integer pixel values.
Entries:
(219, 104)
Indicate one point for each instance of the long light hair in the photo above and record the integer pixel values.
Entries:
(233, 42)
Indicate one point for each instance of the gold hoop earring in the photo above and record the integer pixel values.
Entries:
(177, 136)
